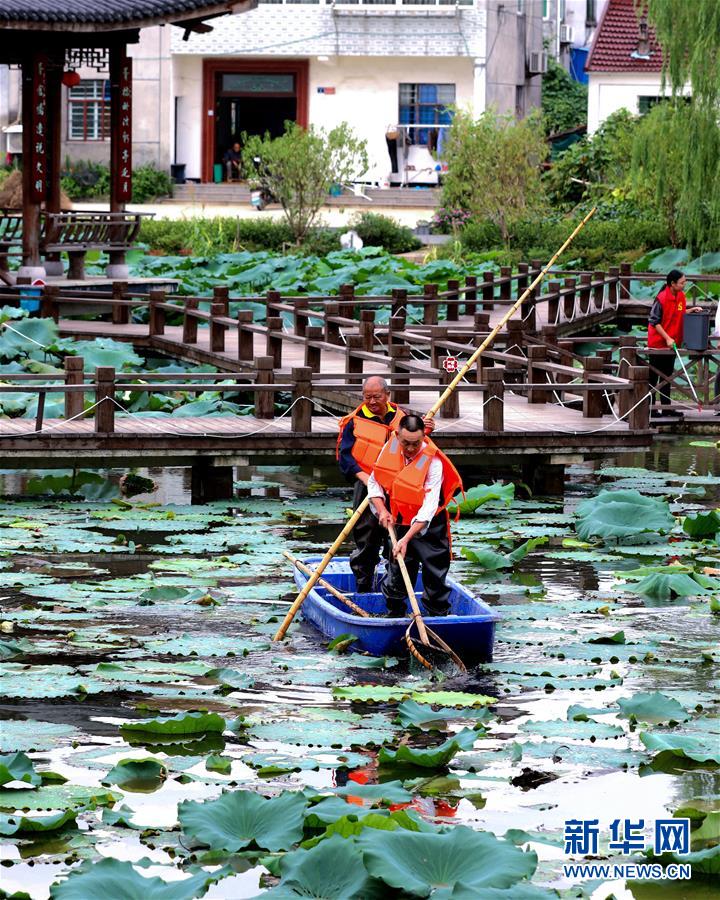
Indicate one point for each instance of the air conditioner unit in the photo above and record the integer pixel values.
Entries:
(566, 34)
(538, 63)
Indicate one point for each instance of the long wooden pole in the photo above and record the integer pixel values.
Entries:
(442, 399)
(410, 588)
(350, 524)
(331, 589)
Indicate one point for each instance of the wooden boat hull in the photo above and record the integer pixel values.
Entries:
(469, 629)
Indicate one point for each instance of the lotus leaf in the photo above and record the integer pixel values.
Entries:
(29, 734)
(138, 775)
(489, 559)
(486, 493)
(16, 824)
(429, 757)
(231, 678)
(386, 792)
(453, 698)
(56, 796)
(419, 715)
(703, 862)
(333, 869)
(702, 525)
(618, 637)
(652, 707)
(182, 723)
(573, 728)
(421, 863)
(220, 764)
(18, 767)
(618, 515)
(697, 747)
(331, 809)
(241, 818)
(119, 880)
(668, 587)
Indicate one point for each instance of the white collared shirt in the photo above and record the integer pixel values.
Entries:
(433, 485)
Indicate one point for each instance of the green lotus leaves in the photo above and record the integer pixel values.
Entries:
(654, 707)
(702, 525)
(141, 776)
(422, 863)
(429, 757)
(243, 818)
(180, 724)
(20, 824)
(670, 587)
(220, 764)
(703, 748)
(57, 796)
(111, 878)
(490, 559)
(618, 515)
(411, 714)
(477, 496)
(386, 792)
(18, 767)
(331, 870)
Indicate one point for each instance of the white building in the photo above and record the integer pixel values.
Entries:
(384, 66)
(624, 66)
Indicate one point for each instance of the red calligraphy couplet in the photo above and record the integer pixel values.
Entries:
(122, 132)
(38, 127)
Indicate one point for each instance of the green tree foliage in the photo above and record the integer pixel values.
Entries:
(658, 155)
(564, 100)
(301, 165)
(689, 34)
(494, 167)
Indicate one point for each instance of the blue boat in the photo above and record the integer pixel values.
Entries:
(469, 629)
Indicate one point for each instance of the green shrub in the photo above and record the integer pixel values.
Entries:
(85, 180)
(564, 100)
(223, 234)
(149, 183)
(381, 231)
(320, 242)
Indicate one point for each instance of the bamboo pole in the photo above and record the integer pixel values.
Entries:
(350, 524)
(358, 610)
(410, 588)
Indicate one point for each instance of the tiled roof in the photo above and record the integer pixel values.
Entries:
(79, 14)
(616, 40)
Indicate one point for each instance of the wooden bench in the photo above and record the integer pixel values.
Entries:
(10, 234)
(77, 232)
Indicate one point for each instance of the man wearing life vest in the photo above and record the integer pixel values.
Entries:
(362, 436)
(411, 485)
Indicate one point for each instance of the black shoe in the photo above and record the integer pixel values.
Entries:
(395, 614)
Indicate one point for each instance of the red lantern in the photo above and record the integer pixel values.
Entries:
(71, 79)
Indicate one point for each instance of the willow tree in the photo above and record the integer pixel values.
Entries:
(689, 34)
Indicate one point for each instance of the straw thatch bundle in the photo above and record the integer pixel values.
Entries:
(11, 193)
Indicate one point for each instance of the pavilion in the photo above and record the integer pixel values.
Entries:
(48, 40)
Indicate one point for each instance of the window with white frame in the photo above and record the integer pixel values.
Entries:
(425, 104)
(89, 110)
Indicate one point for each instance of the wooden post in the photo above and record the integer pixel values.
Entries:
(272, 299)
(53, 261)
(522, 277)
(399, 301)
(488, 291)
(208, 483)
(273, 340)
(221, 295)
(398, 353)
(494, 403)
(593, 401)
(612, 285)
(470, 295)
(569, 299)
(190, 323)
(598, 290)
(506, 285)
(481, 322)
(627, 358)
(395, 325)
(74, 374)
(332, 329)
(302, 399)
(40, 414)
(354, 363)
(49, 306)
(453, 300)
(553, 296)
(639, 417)
(264, 400)
(438, 334)
(625, 277)
(367, 329)
(566, 359)
(549, 335)
(157, 315)
(430, 305)
(121, 163)
(584, 292)
(246, 341)
(34, 72)
(451, 408)
(300, 321)
(537, 353)
(104, 397)
(347, 301)
(217, 329)
(313, 354)
(120, 312)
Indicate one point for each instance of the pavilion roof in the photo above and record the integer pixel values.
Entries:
(106, 15)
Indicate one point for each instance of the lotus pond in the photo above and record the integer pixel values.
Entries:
(157, 744)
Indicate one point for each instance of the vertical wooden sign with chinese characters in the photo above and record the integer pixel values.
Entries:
(38, 127)
(122, 131)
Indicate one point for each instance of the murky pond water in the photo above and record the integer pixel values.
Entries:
(119, 612)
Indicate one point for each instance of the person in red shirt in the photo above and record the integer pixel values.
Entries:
(665, 329)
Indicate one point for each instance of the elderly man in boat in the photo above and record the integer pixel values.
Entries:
(363, 434)
(411, 485)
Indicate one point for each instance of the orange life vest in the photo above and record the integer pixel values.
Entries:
(370, 435)
(405, 484)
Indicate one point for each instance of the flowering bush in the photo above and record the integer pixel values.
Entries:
(449, 221)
